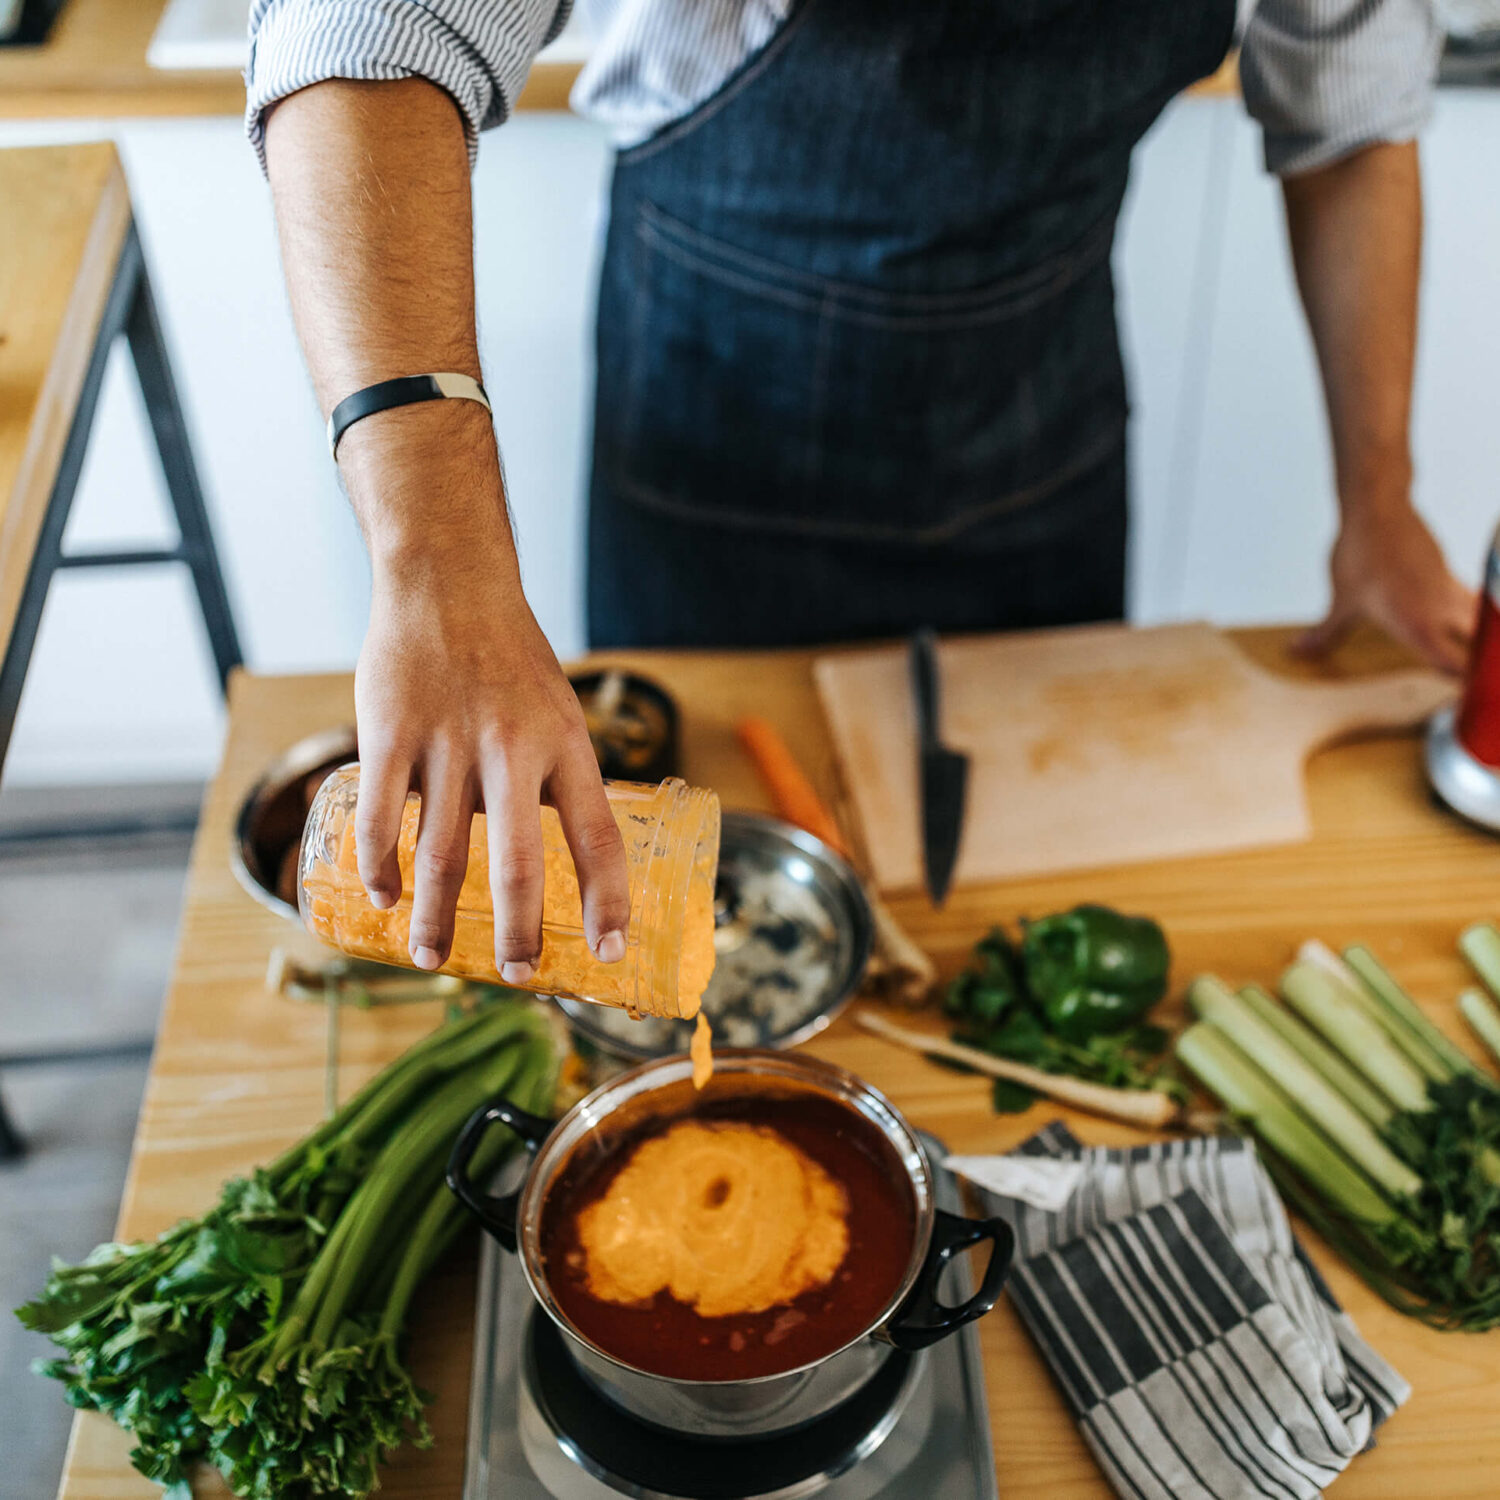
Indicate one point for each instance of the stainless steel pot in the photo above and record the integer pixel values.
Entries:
(914, 1317)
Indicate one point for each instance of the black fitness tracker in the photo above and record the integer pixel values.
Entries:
(405, 390)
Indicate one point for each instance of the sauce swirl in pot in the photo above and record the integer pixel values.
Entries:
(743, 1235)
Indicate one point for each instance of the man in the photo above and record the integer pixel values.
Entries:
(857, 359)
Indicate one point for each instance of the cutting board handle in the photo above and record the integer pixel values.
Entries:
(1388, 701)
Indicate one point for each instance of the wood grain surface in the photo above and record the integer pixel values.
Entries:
(93, 64)
(237, 1076)
(64, 211)
(1095, 745)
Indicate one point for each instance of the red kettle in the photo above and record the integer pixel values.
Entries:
(1463, 741)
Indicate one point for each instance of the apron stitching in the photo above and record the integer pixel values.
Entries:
(727, 91)
(652, 499)
(1014, 294)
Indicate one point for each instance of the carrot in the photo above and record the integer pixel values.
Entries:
(795, 797)
(908, 973)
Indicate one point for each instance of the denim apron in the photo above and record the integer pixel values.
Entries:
(858, 367)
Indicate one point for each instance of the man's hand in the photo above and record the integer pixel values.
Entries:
(1388, 570)
(458, 694)
(1356, 233)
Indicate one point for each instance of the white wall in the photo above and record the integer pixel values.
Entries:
(1230, 467)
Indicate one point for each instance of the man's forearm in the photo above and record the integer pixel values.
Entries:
(1356, 230)
(1356, 233)
(371, 183)
(457, 693)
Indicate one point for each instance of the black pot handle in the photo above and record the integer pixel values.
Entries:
(923, 1319)
(497, 1214)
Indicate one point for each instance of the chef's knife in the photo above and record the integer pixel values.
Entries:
(944, 772)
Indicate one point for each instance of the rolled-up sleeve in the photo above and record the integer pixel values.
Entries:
(1325, 77)
(479, 51)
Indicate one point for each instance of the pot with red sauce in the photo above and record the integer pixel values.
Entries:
(737, 1261)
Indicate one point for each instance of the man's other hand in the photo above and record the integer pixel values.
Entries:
(1389, 571)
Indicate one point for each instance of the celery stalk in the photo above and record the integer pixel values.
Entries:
(1415, 1048)
(1370, 1102)
(335, 1273)
(1318, 997)
(1400, 1006)
(375, 1211)
(1316, 1098)
(1224, 1070)
(444, 1216)
(1479, 1011)
(1481, 946)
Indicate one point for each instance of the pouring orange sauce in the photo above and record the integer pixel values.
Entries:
(702, 1052)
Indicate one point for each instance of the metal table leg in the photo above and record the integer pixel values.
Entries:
(196, 547)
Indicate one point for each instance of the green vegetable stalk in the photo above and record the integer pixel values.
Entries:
(1483, 1019)
(1480, 944)
(1316, 1098)
(264, 1337)
(1378, 1131)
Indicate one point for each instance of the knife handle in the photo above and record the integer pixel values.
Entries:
(924, 684)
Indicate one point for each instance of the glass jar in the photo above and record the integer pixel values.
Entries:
(671, 834)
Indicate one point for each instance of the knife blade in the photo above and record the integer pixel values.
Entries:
(944, 773)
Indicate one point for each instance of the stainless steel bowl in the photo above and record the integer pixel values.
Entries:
(914, 1317)
(793, 938)
(272, 815)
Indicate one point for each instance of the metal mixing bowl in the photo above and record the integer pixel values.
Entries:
(793, 936)
(272, 815)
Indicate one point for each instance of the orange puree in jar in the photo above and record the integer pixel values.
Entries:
(671, 836)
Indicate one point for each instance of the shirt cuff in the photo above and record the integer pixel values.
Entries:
(478, 53)
(1326, 80)
(1291, 152)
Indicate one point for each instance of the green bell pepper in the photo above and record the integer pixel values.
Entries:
(1094, 970)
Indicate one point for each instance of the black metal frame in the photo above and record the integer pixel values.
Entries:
(130, 310)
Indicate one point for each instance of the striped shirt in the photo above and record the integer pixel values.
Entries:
(1323, 77)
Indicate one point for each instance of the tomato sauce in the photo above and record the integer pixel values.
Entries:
(668, 1337)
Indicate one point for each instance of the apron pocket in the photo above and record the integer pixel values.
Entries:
(756, 396)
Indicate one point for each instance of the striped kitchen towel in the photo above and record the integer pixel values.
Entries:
(1202, 1353)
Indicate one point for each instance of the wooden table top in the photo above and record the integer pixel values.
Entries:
(93, 64)
(238, 1075)
(64, 218)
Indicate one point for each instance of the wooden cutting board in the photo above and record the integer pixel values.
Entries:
(1098, 745)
